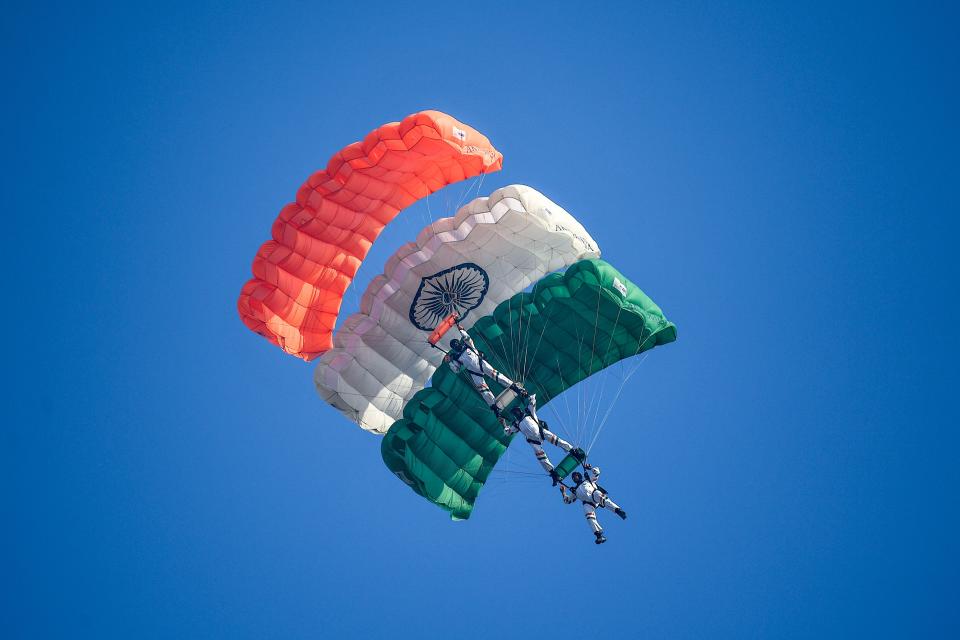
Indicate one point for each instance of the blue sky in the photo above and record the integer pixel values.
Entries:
(781, 179)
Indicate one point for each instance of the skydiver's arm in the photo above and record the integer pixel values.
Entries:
(466, 338)
(456, 365)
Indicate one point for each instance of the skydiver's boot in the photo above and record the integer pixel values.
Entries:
(600, 537)
(554, 476)
(620, 512)
(520, 391)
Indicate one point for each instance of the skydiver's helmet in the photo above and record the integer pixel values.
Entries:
(577, 477)
(456, 347)
(517, 413)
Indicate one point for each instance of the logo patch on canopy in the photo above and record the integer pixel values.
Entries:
(459, 288)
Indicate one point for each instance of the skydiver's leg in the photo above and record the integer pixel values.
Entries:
(541, 456)
(591, 515)
(481, 385)
(613, 506)
(556, 440)
(610, 504)
(495, 375)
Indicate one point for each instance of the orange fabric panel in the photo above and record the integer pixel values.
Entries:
(442, 328)
(319, 241)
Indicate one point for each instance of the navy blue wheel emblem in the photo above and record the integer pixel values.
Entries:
(460, 288)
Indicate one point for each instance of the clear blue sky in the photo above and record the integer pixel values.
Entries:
(781, 179)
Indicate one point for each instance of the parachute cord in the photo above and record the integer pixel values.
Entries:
(506, 355)
(525, 361)
(579, 394)
(513, 342)
(613, 403)
(592, 423)
(520, 341)
(535, 351)
(429, 211)
(483, 175)
(593, 351)
(466, 190)
(640, 346)
(528, 361)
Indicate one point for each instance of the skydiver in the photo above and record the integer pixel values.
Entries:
(592, 495)
(536, 431)
(464, 354)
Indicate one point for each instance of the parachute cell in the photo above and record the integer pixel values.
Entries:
(493, 248)
(319, 241)
(569, 327)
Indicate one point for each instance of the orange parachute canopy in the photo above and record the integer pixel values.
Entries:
(320, 240)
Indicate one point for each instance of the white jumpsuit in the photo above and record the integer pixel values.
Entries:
(477, 367)
(535, 434)
(590, 494)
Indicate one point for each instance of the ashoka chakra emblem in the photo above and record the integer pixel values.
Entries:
(460, 288)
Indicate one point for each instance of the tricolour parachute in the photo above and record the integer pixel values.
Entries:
(493, 248)
(569, 327)
(320, 240)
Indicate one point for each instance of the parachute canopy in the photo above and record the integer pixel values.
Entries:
(569, 327)
(493, 248)
(319, 241)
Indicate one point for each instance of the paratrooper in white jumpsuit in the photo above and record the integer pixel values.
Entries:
(536, 431)
(464, 354)
(592, 495)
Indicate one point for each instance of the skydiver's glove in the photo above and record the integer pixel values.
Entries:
(520, 391)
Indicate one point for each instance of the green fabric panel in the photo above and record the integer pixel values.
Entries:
(572, 325)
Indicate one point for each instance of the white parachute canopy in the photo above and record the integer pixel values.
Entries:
(493, 248)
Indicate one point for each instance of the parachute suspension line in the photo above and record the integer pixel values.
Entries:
(513, 342)
(505, 355)
(468, 186)
(519, 346)
(525, 359)
(603, 387)
(521, 472)
(639, 347)
(520, 338)
(483, 174)
(528, 361)
(580, 392)
(593, 350)
(536, 351)
(429, 212)
(616, 397)
(646, 355)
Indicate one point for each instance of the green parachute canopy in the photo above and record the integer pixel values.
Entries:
(572, 325)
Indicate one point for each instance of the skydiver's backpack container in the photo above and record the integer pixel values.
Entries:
(506, 397)
(572, 460)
